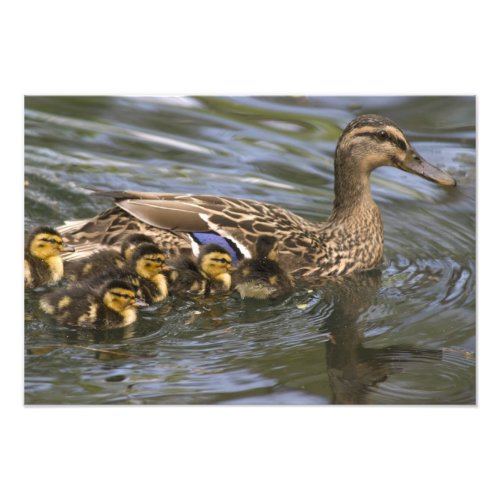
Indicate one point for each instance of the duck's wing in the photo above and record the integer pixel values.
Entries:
(232, 223)
(201, 212)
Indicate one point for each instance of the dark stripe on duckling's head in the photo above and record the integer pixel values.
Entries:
(214, 260)
(43, 230)
(265, 248)
(132, 242)
(216, 264)
(213, 248)
(120, 296)
(146, 249)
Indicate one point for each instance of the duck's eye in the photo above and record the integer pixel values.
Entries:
(383, 135)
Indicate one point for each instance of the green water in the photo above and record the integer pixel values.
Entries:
(405, 334)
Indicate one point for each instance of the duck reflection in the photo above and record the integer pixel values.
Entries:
(353, 370)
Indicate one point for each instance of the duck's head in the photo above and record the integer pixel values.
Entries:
(148, 261)
(45, 242)
(119, 296)
(371, 141)
(130, 244)
(215, 262)
(266, 248)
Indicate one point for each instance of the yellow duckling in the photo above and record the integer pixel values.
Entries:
(208, 275)
(148, 262)
(114, 305)
(262, 277)
(105, 261)
(43, 264)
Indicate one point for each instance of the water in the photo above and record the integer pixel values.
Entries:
(405, 334)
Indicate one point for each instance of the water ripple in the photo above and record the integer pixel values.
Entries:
(405, 334)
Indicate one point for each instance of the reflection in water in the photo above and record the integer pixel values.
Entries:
(353, 369)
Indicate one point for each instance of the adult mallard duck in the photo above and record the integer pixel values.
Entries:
(350, 240)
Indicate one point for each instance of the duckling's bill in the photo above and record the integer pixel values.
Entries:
(140, 303)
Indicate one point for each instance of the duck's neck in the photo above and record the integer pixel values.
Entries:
(352, 189)
(354, 232)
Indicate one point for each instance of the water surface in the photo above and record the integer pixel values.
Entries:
(404, 334)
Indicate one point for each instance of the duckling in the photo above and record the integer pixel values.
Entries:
(114, 305)
(105, 261)
(131, 243)
(145, 272)
(262, 277)
(43, 264)
(148, 262)
(209, 274)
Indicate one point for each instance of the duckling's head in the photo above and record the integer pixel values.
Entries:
(214, 261)
(371, 141)
(119, 296)
(266, 248)
(131, 243)
(45, 242)
(148, 261)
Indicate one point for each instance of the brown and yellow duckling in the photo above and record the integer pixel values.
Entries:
(105, 261)
(145, 271)
(262, 277)
(209, 274)
(148, 263)
(114, 305)
(43, 264)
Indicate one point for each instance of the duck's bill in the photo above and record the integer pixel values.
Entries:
(140, 303)
(417, 165)
(67, 248)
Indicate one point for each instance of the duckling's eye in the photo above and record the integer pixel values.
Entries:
(382, 134)
(225, 261)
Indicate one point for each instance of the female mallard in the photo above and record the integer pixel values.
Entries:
(352, 239)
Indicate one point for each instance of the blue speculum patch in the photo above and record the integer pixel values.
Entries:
(217, 239)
